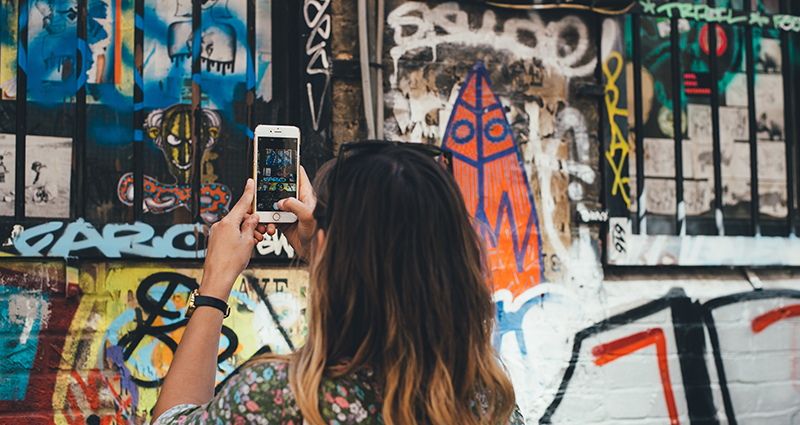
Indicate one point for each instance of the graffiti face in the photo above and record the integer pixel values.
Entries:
(174, 126)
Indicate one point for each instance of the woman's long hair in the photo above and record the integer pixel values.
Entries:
(400, 284)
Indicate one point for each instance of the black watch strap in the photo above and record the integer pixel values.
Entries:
(201, 300)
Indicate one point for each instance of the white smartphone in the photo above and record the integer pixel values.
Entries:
(276, 169)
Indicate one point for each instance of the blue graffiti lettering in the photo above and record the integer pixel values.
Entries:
(116, 240)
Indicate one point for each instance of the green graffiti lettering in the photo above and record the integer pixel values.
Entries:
(687, 11)
(668, 8)
(704, 13)
(648, 6)
(757, 19)
(733, 20)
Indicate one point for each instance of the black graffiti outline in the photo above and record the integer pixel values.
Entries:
(708, 310)
(275, 319)
(689, 320)
(130, 341)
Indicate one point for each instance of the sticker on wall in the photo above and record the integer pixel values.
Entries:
(48, 170)
(490, 172)
(8, 143)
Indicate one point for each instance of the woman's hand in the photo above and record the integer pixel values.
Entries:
(301, 231)
(229, 246)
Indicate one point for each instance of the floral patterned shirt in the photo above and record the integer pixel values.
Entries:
(261, 394)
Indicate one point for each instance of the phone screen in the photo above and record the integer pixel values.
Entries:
(276, 171)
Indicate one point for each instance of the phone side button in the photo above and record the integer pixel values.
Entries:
(276, 216)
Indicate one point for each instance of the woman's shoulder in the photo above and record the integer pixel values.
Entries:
(352, 398)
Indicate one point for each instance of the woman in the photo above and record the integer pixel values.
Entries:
(399, 310)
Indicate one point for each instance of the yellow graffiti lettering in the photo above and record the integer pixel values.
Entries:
(618, 141)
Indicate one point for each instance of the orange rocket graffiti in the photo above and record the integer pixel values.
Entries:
(490, 172)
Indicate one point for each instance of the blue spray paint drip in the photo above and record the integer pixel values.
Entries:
(22, 58)
(137, 78)
(197, 45)
(138, 135)
(126, 378)
(82, 50)
(18, 354)
(512, 321)
(138, 22)
(22, 54)
(251, 73)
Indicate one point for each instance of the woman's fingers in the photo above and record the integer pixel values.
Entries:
(258, 235)
(239, 211)
(301, 210)
(249, 226)
(306, 189)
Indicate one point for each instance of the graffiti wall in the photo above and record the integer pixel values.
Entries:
(93, 344)
(536, 111)
(123, 131)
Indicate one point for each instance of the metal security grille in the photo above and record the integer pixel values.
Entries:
(114, 91)
(740, 40)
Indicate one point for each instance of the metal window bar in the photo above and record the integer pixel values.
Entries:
(715, 130)
(788, 129)
(79, 141)
(197, 153)
(22, 116)
(638, 108)
(677, 124)
(251, 92)
(752, 124)
(138, 110)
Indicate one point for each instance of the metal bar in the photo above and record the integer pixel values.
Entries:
(792, 45)
(601, 108)
(715, 131)
(251, 91)
(22, 116)
(197, 113)
(788, 128)
(138, 111)
(677, 125)
(753, 125)
(638, 111)
(79, 141)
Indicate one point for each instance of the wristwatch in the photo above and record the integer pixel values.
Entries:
(197, 300)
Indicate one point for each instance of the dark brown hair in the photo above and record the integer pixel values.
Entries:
(399, 284)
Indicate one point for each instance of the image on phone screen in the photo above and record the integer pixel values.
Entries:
(276, 171)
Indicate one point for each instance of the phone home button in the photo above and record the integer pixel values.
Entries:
(276, 216)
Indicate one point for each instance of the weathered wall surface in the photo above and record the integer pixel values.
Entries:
(583, 345)
(87, 332)
(92, 345)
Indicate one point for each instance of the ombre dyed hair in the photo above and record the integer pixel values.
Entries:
(400, 284)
